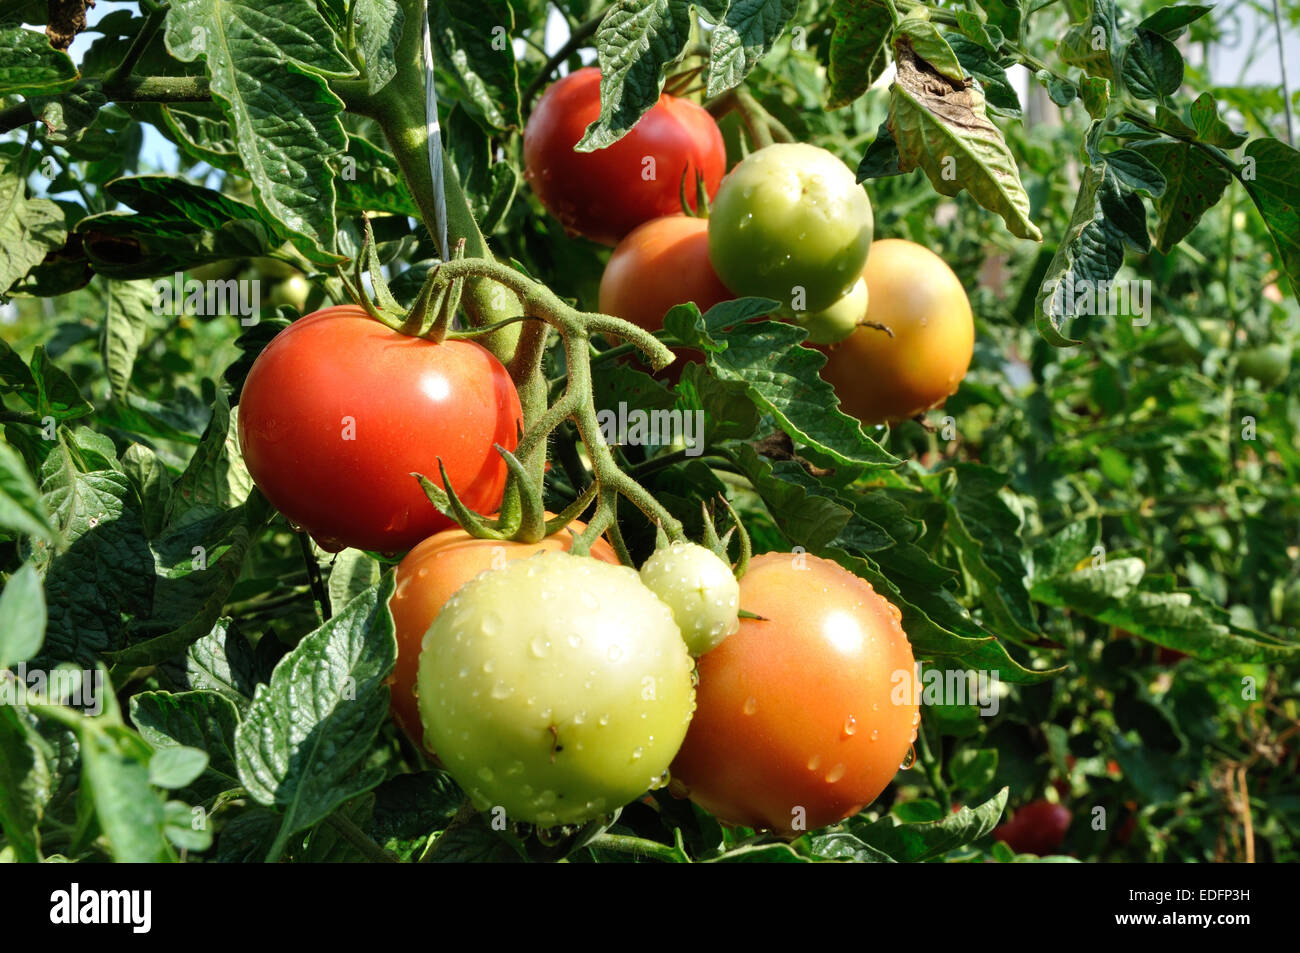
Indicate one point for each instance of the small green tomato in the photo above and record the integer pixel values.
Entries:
(701, 591)
(834, 324)
(791, 223)
(556, 687)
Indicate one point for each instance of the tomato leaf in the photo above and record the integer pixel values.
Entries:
(1173, 21)
(379, 26)
(741, 36)
(1094, 44)
(634, 41)
(941, 125)
(24, 784)
(22, 617)
(331, 686)
(780, 376)
(29, 228)
(1194, 183)
(859, 50)
(201, 720)
(474, 38)
(1153, 67)
(31, 66)
(106, 571)
(267, 67)
(1120, 593)
(1269, 174)
(21, 508)
(115, 775)
(912, 843)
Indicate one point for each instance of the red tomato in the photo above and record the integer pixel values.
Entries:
(339, 411)
(804, 717)
(1037, 828)
(607, 193)
(659, 265)
(427, 578)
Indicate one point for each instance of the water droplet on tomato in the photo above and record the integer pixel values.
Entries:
(835, 774)
(850, 726)
(814, 762)
(750, 706)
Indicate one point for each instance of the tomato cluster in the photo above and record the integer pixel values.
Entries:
(559, 687)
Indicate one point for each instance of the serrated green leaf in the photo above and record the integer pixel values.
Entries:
(1095, 93)
(943, 128)
(106, 572)
(1090, 253)
(976, 60)
(912, 843)
(127, 304)
(474, 37)
(153, 484)
(29, 228)
(634, 41)
(1119, 593)
(378, 29)
(267, 67)
(202, 720)
(781, 378)
(306, 734)
(741, 37)
(929, 44)
(859, 50)
(353, 573)
(1093, 44)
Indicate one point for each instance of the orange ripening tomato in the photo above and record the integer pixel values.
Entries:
(802, 717)
(606, 193)
(659, 265)
(914, 293)
(429, 576)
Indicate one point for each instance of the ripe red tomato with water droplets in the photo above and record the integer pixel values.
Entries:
(805, 715)
(1037, 828)
(429, 576)
(606, 193)
(340, 410)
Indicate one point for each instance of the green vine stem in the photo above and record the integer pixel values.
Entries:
(576, 403)
(399, 109)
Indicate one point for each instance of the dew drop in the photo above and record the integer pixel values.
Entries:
(850, 726)
(875, 734)
(615, 653)
(814, 762)
(835, 774)
(750, 706)
(539, 646)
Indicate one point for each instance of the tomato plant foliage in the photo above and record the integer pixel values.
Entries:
(1090, 534)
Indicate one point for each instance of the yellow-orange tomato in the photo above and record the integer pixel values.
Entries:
(914, 293)
(429, 576)
(804, 716)
(660, 264)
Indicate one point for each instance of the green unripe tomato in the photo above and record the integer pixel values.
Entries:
(834, 324)
(699, 588)
(1269, 364)
(292, 291)
(790, 223)
(557, 687)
